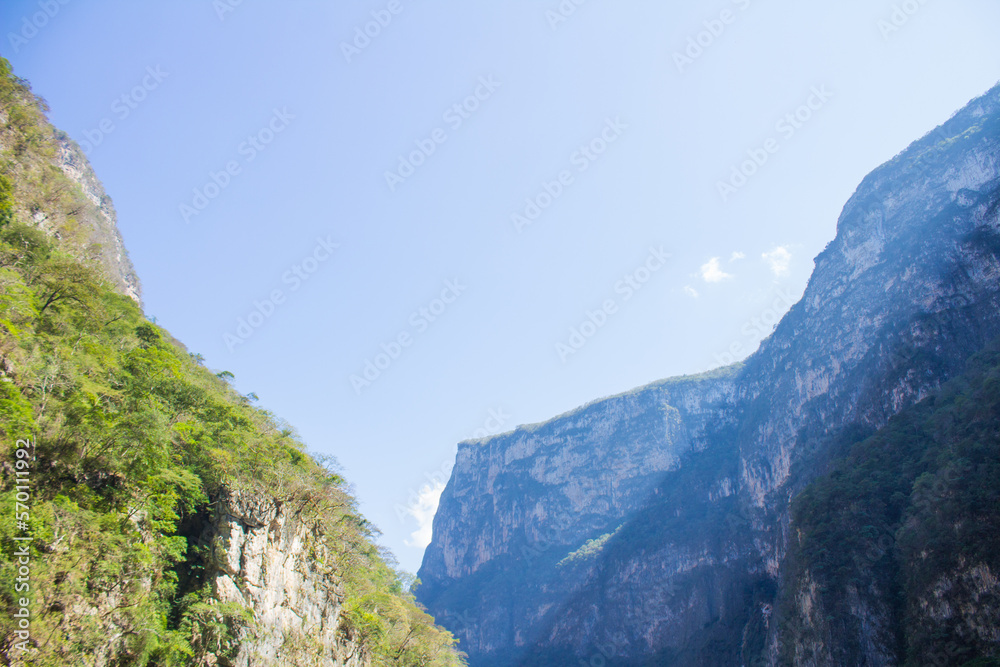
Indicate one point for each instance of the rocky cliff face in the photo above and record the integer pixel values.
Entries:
(263, 558)
(274, 598)
(526, 512)
(655, 525)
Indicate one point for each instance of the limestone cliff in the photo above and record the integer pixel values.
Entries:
(655, 525)
(266, 559)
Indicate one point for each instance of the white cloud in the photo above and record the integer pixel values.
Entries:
(712, 272)
(423, 509)
(737, 255)
(691, 292)
(779, 259)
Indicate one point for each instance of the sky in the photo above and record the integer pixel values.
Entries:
(403, 224)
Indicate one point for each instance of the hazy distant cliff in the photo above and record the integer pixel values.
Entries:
(655, 525)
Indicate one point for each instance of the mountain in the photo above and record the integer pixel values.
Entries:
(722, 519)
(161, 517)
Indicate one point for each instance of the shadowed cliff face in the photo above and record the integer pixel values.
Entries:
(655, 524)
(520, 508)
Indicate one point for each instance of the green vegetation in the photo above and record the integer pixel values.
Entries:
(6, 201)
(32, 186)
(590, 549)
(132, 441)
(913, 512)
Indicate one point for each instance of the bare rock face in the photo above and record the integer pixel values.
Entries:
(266, 560)
(654, 526)
(98, 215)
(526, 513)
(603, 459)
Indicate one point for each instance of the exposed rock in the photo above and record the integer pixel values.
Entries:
(268, 561)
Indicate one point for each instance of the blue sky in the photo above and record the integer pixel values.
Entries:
(498, 211)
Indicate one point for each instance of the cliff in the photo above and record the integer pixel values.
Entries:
(656, 525)
(263, 559)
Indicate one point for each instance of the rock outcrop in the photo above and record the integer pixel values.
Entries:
(266, 560)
